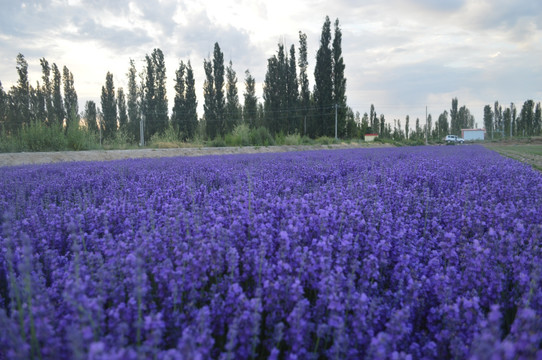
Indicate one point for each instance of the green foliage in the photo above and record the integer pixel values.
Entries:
(109, 107)
(250, 109)
(167, 138)
(133, 107)
(154, 100)
(233, 108)
(326, 140)
(79, 138)
(239, 137)
(39, 137)
(220, 99)
(218, 142)
(323, 88)
(261, 137)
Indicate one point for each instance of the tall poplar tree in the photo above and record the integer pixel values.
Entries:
(191, 103)
(273, 93)
(91, 116)
(454, 125)
(58, 106)
(134, 115)
(161, 94)
(109, 107)
(209, 106)
(233, 109)
(537, 126)
(323, 88)
(47, 90)
(488, 120)
(339, 81)
(304, 95)
(154, 104)
(122, 110)
(177, 115)
(3, 110)
(292, 93)
(250, 108)
(220, 100)
(21, 96)
(71, 104)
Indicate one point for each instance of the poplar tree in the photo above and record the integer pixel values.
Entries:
(213, 89)
(154, 104)
(3, 109)
(488, 119)
(250, 109)
(272, 95)
(71, 104)
(122, 111)
(323, 88)
(58, 106)
(209, 107)
(37, 104)
(177, 115)
(453, 117)
(191, 103)
(443, 125)
(304, 95)
(47, 90)
(109, 107)
(220, 101)
(537, 126)
(276, 92)
(90, 115)
(20, 97)
(339, 81)
(134, 116)
(161, 95)
(407, 124)
(233, 109)
(292, 92)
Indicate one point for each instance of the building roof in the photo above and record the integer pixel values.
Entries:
(484, 130)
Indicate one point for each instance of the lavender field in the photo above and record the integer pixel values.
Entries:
(402, 253)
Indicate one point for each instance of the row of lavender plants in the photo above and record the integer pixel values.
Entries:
(427, 252)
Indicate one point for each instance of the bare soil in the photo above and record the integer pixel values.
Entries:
(23, 158)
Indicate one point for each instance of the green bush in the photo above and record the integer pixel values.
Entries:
(217, 142)
(292, 139)
(168, 138)
(79, 138)
(239, 137)
(326, 140)
(261, 137)
(40, 137)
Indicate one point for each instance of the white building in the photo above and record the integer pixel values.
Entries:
(473, 134)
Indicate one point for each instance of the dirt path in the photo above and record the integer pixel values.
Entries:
(11, 159)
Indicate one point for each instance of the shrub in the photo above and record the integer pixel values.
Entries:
(261, 137)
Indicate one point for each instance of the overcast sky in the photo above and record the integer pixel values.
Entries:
(400, 55)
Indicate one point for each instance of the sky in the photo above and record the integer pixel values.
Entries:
(400, 55)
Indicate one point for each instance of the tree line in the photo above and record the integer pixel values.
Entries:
(288, 106)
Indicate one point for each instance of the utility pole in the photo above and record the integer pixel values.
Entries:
(336, 106)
